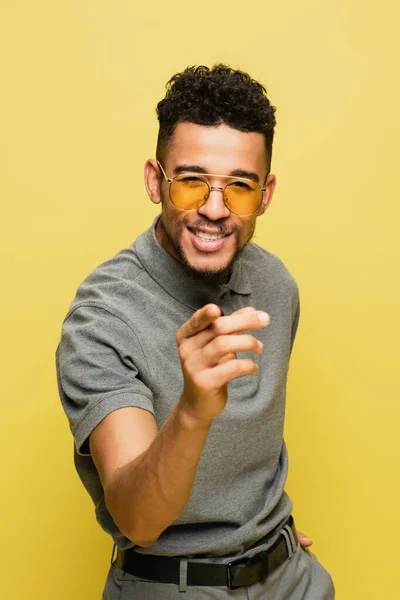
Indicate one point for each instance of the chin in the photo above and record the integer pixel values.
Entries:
(213, 271)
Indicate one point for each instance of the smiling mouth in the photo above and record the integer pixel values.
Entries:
(208, 236)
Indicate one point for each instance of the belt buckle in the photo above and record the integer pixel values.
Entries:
(260, 557)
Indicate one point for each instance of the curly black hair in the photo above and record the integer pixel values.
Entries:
(213, 96)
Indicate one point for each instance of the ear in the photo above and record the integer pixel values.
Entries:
(152, 180)
(270, 185)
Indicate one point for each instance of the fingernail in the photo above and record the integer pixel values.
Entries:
(263, 317)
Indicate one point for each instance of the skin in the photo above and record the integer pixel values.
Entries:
(148, 474)
(206, 147)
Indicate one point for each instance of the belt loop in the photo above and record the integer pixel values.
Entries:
(183, 565)
(292, 537)
(288, 542)
(264, 565)
(112, 555)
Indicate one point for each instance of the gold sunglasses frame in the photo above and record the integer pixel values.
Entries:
(212, 187)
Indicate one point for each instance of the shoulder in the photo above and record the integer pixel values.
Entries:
(111, 284)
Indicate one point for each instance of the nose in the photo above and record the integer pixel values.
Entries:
(214, 207)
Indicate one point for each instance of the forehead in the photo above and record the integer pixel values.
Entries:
(219, 149)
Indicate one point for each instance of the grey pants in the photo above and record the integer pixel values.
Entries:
(301, 577)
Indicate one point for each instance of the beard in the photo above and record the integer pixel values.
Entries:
(216, 276)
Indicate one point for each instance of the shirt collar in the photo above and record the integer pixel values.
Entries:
(174, 278)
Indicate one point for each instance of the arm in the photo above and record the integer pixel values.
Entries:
(148, 475)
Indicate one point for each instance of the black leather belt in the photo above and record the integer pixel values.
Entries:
(237, 573)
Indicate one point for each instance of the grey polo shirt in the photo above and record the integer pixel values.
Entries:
(118, 349)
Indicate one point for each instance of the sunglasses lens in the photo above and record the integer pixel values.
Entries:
(188, 192)
(243, 198)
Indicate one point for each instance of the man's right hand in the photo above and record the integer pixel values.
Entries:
(207, 345)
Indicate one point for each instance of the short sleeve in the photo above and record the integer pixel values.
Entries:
(295, 322)
(100, 364)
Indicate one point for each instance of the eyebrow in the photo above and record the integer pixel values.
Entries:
(198, 169)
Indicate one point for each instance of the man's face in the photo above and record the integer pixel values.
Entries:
(224, 151)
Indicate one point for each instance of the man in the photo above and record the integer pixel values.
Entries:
(173, 362)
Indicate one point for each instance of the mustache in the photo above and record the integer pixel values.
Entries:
(223, 227)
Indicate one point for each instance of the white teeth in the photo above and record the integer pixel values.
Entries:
(209, 236)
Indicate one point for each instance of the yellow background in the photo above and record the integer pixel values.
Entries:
(79, 85)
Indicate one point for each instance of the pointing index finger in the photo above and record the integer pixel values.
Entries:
(201, 319)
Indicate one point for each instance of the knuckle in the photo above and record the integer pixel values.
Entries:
(252, 342)
(220, 344)
(217, 327)
(248, 366)
(245, 341)
(231, 366)
(182, 352)
(234, 369)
